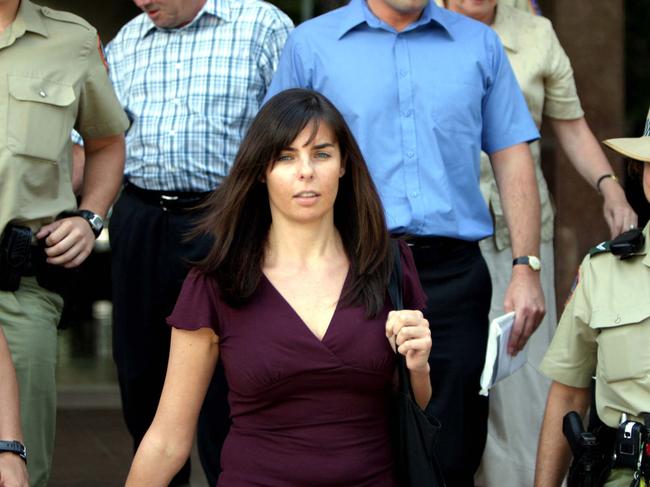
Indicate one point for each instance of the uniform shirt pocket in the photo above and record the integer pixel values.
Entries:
(40, 117)
(623, 352)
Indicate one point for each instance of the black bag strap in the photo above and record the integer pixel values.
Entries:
(396, 294)
(396, 277)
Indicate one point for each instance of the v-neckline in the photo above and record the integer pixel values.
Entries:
(297, 315)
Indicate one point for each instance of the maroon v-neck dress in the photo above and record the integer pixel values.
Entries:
(305, 412)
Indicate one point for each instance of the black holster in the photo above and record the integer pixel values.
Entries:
(15, 256)
(18, 258)
(52, 277)
(592, 452)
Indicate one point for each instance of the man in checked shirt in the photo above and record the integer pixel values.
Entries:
(191, 74)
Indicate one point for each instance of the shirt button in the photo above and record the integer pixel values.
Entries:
(42, 94)
(402, 73)
(410, 154)
(178, 66)
(415, 194)
(172, 132)
(406, 113)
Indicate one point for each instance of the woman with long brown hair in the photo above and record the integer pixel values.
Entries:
(292, 298)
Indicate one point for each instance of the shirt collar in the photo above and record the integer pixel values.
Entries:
(217, 8)
(504, 24)
(357, 12)
(30, 17)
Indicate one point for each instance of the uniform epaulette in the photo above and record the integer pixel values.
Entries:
(65, 17)
(601, 248)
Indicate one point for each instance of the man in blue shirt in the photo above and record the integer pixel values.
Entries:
(424, 90)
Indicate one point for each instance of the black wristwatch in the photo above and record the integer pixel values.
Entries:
(531, 261)
(15, 447)
(95, 221)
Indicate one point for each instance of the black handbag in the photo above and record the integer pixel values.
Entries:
(414, 430)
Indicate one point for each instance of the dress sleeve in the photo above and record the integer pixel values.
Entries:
(197, 304)
(414, 296)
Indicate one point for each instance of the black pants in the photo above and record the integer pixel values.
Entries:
(150, 258)
(457, 283)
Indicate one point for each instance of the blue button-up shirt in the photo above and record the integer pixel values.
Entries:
(191, 93)
(422, 103)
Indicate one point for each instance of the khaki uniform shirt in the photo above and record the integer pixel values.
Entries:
(605, 329)
(525, 5)
(544, 73)
(53, 78)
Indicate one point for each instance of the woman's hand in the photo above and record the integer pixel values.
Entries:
(412, 337)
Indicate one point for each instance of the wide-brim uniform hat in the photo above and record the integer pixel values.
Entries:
(633, 147)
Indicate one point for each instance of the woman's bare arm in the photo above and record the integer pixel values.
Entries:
(168, 442)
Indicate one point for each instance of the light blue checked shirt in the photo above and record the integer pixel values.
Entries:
(192, 92)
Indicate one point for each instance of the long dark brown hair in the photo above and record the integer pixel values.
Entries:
(238, 215)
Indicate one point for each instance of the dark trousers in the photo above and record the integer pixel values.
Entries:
(150, 258)
(457, 283)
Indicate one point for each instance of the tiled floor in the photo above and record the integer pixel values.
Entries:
(93, 447)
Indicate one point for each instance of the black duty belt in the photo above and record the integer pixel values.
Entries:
(435, 243)
(167, 200)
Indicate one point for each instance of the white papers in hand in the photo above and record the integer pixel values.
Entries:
(498, 363)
